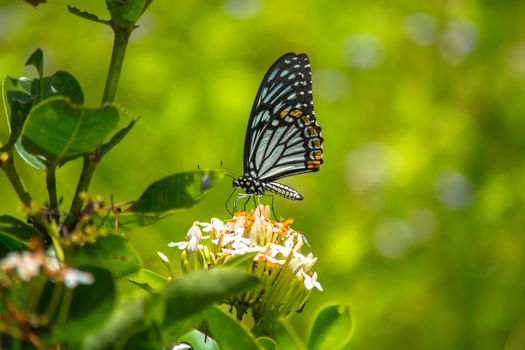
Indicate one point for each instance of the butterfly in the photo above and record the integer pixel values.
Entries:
(283, 137)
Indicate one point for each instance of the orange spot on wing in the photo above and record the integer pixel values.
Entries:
(296, 113)
(312, 131)
(313, 164)
(306, 120)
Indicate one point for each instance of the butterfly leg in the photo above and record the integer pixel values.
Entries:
(273, 209)
(234, 203)
(246, 203)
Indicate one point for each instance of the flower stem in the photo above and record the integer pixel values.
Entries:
(53, 303)
(63, 312)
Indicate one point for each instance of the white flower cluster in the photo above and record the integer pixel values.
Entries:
(29, 264)
(276, 248)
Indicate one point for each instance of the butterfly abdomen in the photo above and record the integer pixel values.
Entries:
(283, 190)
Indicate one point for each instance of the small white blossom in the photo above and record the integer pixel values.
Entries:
(180, 245)
(163, 257)
(310, 281)
(194, 232)
(278, 259)
(29, 264)
(74, 277)
(214, 224)
(10, 261)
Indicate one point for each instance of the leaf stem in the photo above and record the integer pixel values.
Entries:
(51, 183)
(88, 168)
(9, 169)
(120, 44)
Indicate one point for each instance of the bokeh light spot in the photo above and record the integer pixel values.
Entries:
(458, 40)
(363, 51)
(454, 190)
(392, 237)
(420, 28)
(330, 84)
(242, 8)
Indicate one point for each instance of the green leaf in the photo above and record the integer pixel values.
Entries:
(148, 280)
(91, 305)
(15, 234)
(284, 335)
(19, 96)
(175, 308)
(176, 192)
(17, 100)
(267, 343)
(332, 328)
(59, 84)
(8, 245)
(192, 293)
(148, 339)
(127, 317)
(126, 13)
(59, 131)
(228, 332)
(167, 196)
(37, 60)
(35, 3)
(13, 230)
(16, 109)
(112, 252)
(85, 15)
(119, 136)
(199, 341)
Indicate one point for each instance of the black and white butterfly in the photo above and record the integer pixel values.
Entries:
(283, 137)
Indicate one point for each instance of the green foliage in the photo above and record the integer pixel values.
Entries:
(90, 306)
(176, 192)
(173, 309)
(227, 332)
(112, 252)
(60, 132)
(15, 234)
(332, 328)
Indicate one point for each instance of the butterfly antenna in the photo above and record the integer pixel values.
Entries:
(228, 173)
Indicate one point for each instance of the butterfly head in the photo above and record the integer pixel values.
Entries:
(236, 183)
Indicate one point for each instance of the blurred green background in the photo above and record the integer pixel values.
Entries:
(417, 214)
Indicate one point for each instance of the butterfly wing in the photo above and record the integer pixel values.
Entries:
(283, 137)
